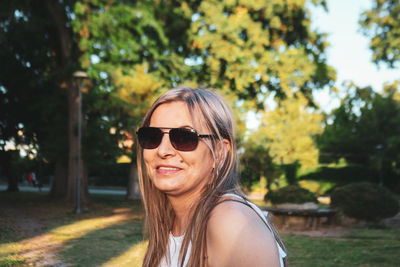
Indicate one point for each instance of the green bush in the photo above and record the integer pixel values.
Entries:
(352, 174)
(365, 201)
(342, 175)
(290, 194)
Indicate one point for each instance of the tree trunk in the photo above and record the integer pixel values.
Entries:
(12, 180)
(269, 182)
(133, 190)
(59, 181)
(68, 54)
(9, 170)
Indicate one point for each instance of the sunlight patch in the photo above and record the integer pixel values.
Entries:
(132, 257)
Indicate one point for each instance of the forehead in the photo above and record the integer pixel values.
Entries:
(174, 115)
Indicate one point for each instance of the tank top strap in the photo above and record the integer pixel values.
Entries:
(262, 215)
(244, 201)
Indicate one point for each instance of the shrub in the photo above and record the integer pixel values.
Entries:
(365, 201)
(290, 194)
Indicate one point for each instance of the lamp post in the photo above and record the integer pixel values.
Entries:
(79, 77)
(379, 148)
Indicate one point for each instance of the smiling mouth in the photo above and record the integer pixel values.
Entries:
(168, 168)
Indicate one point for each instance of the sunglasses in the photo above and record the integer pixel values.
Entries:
(182, 139)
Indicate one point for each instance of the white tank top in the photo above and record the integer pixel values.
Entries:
(175, 242)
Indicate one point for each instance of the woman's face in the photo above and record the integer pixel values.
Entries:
(172, 171)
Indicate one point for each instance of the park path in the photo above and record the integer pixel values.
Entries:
(102, 191)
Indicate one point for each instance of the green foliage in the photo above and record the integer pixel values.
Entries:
(256, 164)
(127, 50)
(122, 35)
(290, 194)
(11, 262)
(382, 25)
(289, 131)
(343, 175)
(319, 188)
(365, 130)
(365, 201)
(291, 172)
(33, 111)
(253, 47)
(285, 139)
(133, 51)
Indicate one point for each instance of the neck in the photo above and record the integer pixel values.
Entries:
(183, 208)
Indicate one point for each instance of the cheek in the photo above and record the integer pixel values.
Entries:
(206, 160)
(147, 157)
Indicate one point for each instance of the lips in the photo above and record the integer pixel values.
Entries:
(166, 170)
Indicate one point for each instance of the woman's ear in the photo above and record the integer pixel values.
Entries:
(227, 144)
(222, 150)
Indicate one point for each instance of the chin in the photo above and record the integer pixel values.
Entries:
(166, 186)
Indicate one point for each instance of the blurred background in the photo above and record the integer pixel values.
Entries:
(313, 84)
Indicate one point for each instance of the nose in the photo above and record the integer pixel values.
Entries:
(165, 148)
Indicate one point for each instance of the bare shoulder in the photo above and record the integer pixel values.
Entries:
(237, 236)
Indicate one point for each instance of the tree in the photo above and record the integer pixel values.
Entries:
(132, 50)
(382, 25)
(255, 47)
(66, 36)
(32, 111)
(365, 130)
(257, 164)
(289, 130)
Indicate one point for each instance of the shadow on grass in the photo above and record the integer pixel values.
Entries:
(39, 230)
(25, 214)
(100, 246)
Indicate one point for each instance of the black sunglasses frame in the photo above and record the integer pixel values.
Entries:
(176, 142)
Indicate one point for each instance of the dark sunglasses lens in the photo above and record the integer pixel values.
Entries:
(149, 137)
(183, 139)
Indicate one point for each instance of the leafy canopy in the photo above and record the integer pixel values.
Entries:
(382, 25)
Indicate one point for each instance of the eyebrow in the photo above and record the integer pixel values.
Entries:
(184, 126)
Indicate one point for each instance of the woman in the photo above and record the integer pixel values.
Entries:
(195, 212)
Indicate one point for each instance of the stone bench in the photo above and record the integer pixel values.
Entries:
(301, 219)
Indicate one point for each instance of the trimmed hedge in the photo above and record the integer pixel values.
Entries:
(365, 201)
(352, 174)
(290, 194)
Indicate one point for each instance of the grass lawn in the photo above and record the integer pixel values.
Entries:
(362, 247)
(38, 231)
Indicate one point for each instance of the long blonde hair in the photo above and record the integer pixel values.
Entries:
(209, 109)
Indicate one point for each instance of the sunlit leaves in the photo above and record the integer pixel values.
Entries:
(256, 45)
(137, 88)
(289, 131)
(382, 25)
